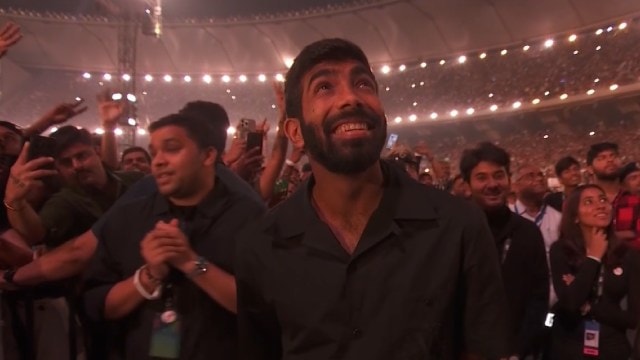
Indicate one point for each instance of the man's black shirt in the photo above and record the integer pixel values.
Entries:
(208, 330)
(423, 282)
(525, 274)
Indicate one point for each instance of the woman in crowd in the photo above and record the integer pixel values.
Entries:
(592, 273)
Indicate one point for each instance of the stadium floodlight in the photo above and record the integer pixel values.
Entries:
(385, 69)
(397, 120)
(434, 115)
(402, 67)
(207, 79)
(423, 64)
(86, 76)
(413, 117)
(453, 113)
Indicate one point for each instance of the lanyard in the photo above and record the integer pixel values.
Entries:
(505, 249)
(539, 218)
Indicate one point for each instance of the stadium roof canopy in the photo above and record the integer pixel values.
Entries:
(390, 32)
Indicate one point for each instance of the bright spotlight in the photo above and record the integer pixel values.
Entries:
(548, 43)
(397, 120)
(168, 78)
(262, 78)
(86, 76)
(226, 78)
(385, 69)
(148, 78)
(242, 78)
(187, 79)
(413, 117)
(126, 77)
(131, 121)
(132, 98)
(207, 79)
(573, 37)
(462, 59)
(517, 105)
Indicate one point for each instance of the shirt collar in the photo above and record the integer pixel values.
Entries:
(403, 199)
(211, 206)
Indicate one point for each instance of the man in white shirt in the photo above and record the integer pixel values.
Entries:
(530, 186)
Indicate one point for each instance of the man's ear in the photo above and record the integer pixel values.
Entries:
(211, 155)
(294, 132)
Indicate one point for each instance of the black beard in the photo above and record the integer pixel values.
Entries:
(607, 177)
(361, 153)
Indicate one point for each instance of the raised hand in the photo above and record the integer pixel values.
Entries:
(61, 113)
(23, 175)
(9, 35)
(596, 243)
(109, 110)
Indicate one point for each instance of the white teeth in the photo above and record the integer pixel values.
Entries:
(351, 126)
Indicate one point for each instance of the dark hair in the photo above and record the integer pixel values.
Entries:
(598, 148)
(449, 185)
(424, 175)
(565, 163)
(484, 151)
(68, 136)
(198, 130)
(133, 149)
(214, 115)
(312, 55)
(571, 236)
(12, 127)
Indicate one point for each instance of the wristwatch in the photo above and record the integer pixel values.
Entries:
(201, 267)
(8, 276)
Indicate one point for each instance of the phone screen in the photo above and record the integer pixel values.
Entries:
(41, 146)
(393, 138)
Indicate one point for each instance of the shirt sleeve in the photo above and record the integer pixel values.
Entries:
(258, 328)
(610, 313)
(102, 274)
(484, 315)
(57, 218)
(141, 188)
(572, 295)
(538, 298)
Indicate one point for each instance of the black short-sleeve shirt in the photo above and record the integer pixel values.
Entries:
(208, 330)
(423, 282)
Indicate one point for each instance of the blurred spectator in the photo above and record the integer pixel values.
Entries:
(567, 170)
(136, 158)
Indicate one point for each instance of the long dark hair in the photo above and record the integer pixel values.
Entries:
(573, 240)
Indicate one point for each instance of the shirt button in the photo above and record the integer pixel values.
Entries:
(357, 332)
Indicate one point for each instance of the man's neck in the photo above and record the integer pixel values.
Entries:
(196, 198)
(343, 195)
(610, 187)
(532, 207)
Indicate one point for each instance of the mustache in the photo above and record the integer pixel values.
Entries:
(368, 117)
